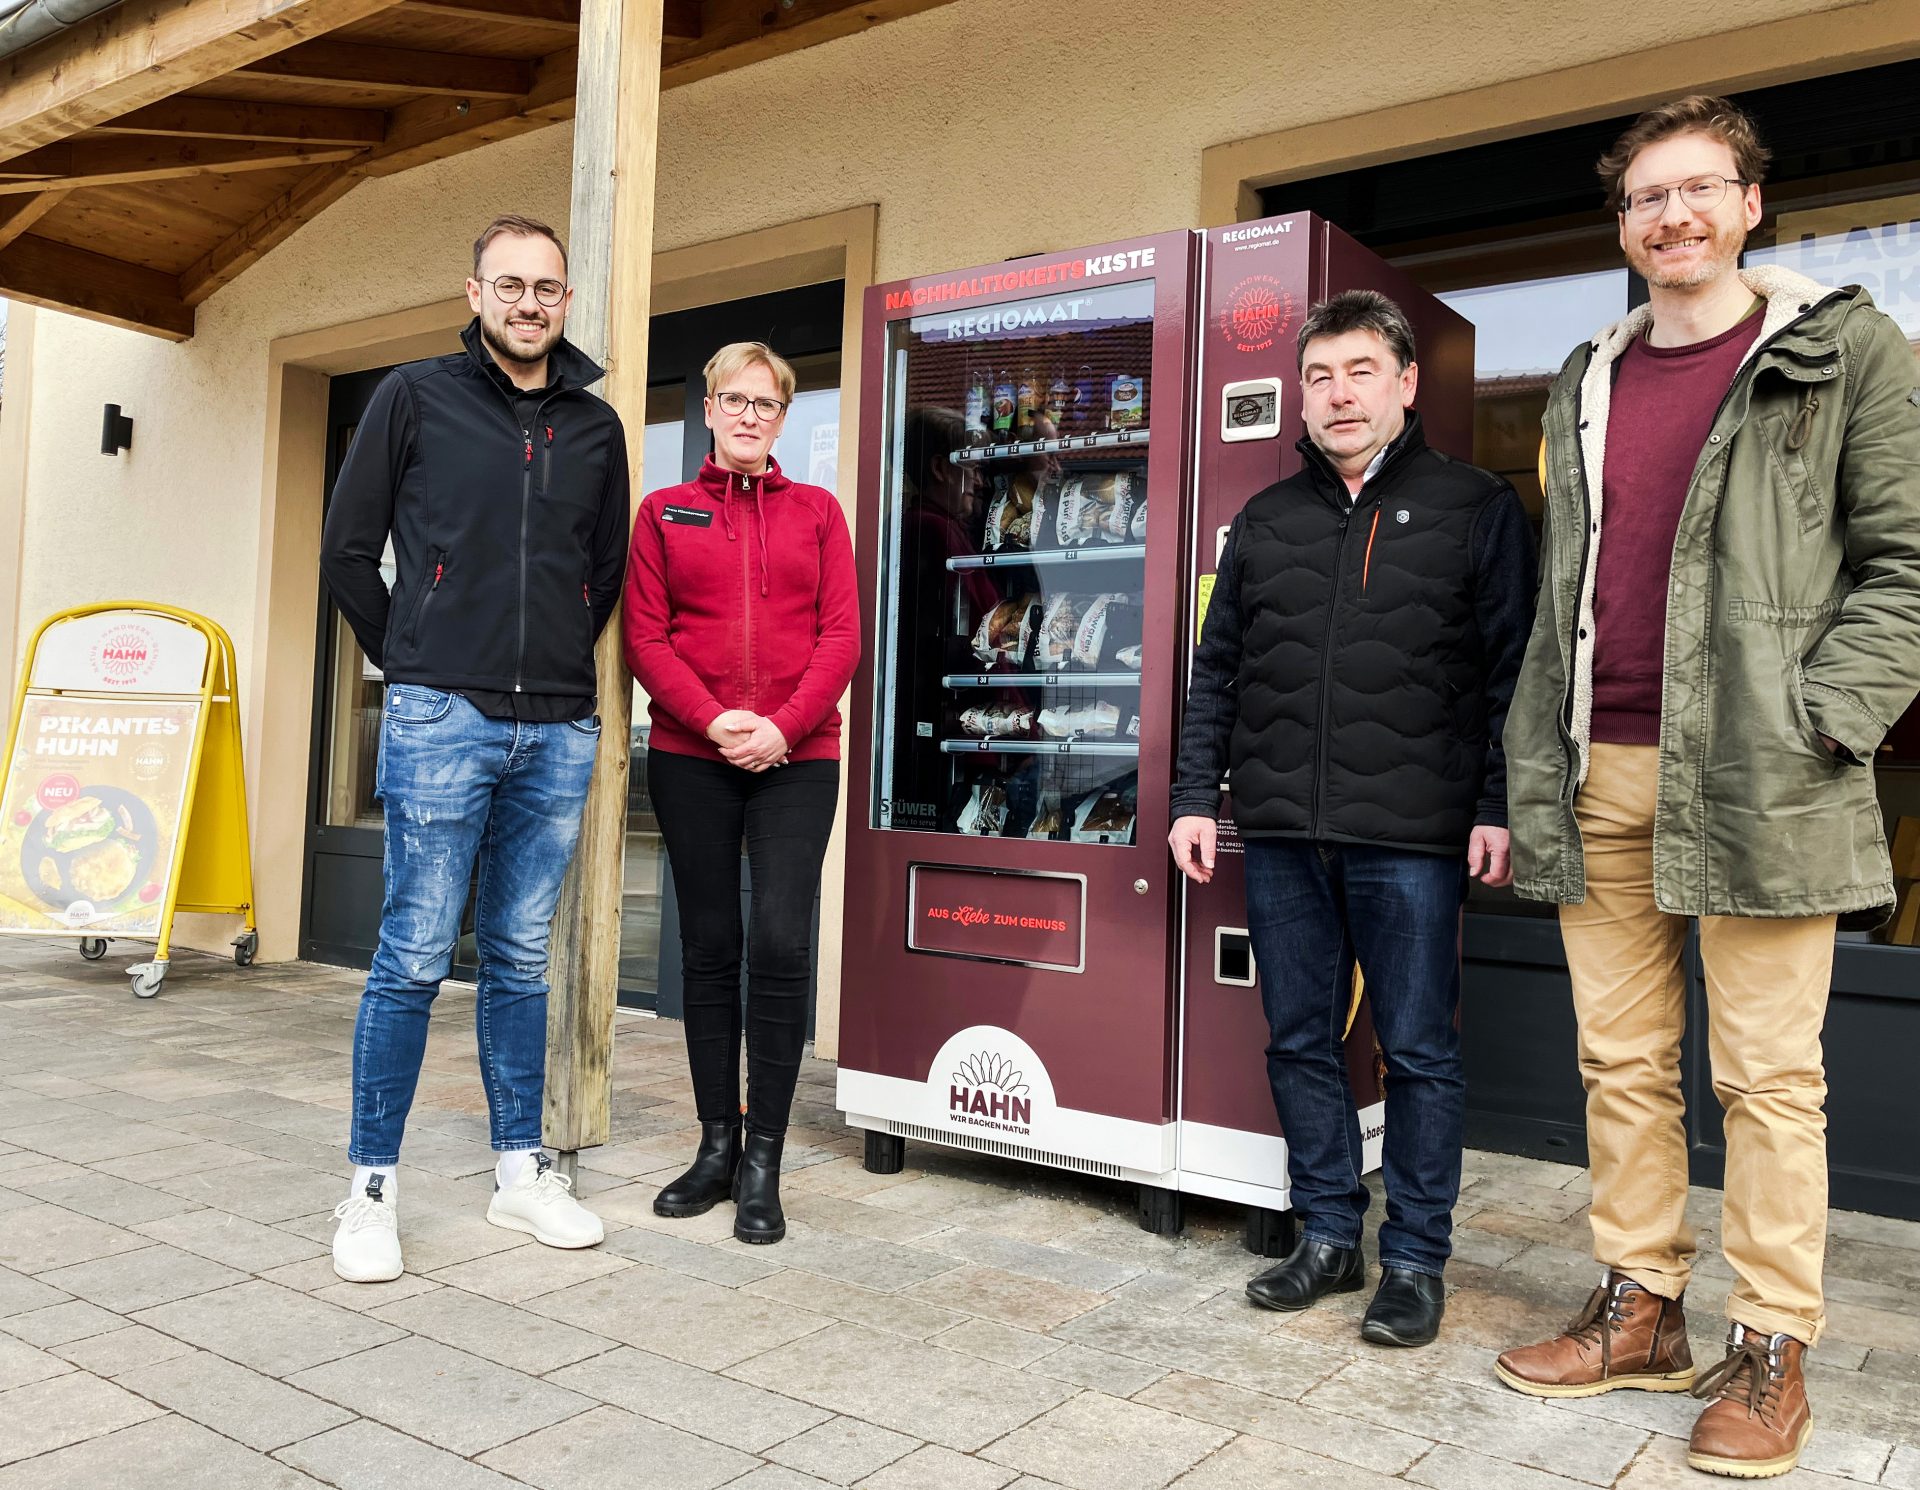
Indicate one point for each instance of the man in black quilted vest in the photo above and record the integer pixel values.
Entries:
(1360, 649)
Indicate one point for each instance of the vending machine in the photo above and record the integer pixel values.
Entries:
(1052, 448)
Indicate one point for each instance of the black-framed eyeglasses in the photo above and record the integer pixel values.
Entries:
(736, 405)
(510, 287)
(1699, 193)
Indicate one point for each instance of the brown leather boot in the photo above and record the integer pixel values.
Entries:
(1625, 1337)
(1758, 1420)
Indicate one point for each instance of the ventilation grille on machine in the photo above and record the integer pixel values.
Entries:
(1004, 1150)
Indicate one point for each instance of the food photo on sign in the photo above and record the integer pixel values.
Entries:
(92, 809)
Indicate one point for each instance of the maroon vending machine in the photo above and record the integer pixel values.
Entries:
(1258, 280)
(1052, 448)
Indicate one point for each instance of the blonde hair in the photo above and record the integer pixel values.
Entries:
(738, 356)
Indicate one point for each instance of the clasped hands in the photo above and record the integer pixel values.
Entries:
(748, 740)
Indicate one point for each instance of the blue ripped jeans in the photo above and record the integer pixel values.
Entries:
(460, 787)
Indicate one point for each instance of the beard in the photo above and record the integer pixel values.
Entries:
(508, 350)
(1723, 252)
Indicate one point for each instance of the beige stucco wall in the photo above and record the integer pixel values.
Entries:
(983, 129)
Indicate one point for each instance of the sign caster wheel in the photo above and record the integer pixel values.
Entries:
(244, 946)
(1269, 1233)
(147, 978)
(93, 948)
(886, 1153)
(1162, 1212)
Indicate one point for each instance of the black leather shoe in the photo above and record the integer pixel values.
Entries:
(1406, 1310)
(710, 1179)
(756, 1191)
(1312, 1270)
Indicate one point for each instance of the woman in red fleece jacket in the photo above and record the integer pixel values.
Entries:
(742, 622)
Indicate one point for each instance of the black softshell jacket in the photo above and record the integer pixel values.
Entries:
(1357, 662)
(509, 542)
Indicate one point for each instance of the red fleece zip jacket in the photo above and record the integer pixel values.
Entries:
(740, 594)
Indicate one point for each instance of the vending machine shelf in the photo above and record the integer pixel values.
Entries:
(1039, 747)
(1047, 558)
(1041, 680)
(1103, 442)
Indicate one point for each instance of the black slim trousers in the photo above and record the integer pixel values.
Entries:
(706, 808)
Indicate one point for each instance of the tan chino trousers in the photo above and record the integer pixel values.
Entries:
(1767, 983)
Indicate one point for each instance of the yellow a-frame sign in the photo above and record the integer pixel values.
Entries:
(125, 798)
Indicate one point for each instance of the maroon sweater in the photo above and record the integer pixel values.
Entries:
(1664, 402)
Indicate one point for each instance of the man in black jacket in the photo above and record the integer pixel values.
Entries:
(502, 485)
(1359, 653)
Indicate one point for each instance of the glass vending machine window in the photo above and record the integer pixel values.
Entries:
(1017, 446)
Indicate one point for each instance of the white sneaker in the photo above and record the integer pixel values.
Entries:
(366, 1243)
(538, 1203)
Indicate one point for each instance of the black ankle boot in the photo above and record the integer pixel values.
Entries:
(1407, 1309)
(710, 1178)
(1312, 1270)
(756, 1190)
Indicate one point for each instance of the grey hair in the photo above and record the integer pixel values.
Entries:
(1358, 310)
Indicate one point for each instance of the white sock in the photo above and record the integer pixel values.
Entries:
(509, 1162)
(364, 1172)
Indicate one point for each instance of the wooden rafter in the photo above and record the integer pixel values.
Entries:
(394, 70)
(42, 272)
(17, 214)
(237, 119)
(77, 163)
(562, 17)
(145, 51)
(737, 33)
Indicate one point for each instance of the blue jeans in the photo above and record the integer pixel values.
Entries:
(1311, 908)
(460, 787)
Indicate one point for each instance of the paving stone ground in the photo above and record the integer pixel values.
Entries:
(169, 1318)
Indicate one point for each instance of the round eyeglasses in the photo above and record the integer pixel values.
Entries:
(1697, 193)
(736, 405)
(510, 288)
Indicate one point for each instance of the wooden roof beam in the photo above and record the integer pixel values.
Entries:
(77, 163)
(561, 17)
(737, 33)
(239, 119)
(41, 272)
(17, 214)
(144, 51)
(394, 70)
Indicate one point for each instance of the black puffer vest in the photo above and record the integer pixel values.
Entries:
(1364, 705)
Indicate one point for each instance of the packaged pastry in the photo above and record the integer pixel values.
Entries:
(1046, 816)
(1106, 816)
(1128, 657)
(1006, 632)
(1137, 527)
(1059, 624)
(997, 722)
(985, 813)
(1045, 513)
(1093, 722)
(1010, 513)
(1079, 514)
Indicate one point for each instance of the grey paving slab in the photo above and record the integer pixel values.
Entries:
(167, 1453)
(895, 1313)
(256, 1410)
(106, 1198)
(1243, 1356)
(50, 1414)
(371, 1456)
(261, 1190)
(19, 1293)
(842, 1450)
(1486, 1420)
(930, 1465)
(1258, 1464)
(920, 1390)
(602, 1449)
(516, 1274)
(883, 1266)
(83, 1140)
(447, 1397)
(38, 1237)
(1056, 1264)
(22, 1364)
(513, 1337)
(171, 1163)
(727, 1411)
(777, 1477)
(732, 1265)
(1903, 1469)
(230, 1239)
(1116, 1375)
(1450, 1468)
(1011, 1298)
(123, 1349)
(687, 1319)
(1329, 1434)
(997, 1342)
(1663, 1466)
(153, 1275)
(1096, 1442)
(271, 1329)
(60, 1323)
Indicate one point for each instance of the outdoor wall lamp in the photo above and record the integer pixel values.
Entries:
(116, 431)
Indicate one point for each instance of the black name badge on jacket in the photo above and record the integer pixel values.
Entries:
(691, 517)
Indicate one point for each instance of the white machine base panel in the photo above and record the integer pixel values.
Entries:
(1251, 1168)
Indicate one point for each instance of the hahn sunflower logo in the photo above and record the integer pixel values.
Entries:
(988, 1090)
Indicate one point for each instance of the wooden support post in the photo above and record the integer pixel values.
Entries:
(611, 241)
